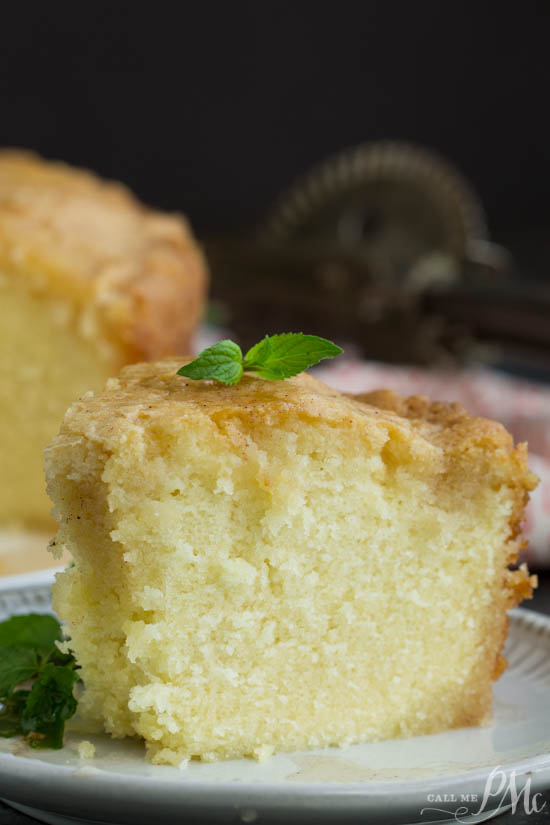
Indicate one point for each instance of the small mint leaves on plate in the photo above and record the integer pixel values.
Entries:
(36, 680)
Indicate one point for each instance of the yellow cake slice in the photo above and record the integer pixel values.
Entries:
(89, 280)
(276, 566)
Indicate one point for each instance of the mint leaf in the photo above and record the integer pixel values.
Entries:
(17, 665)
(9, 724)
(258, 354)
(33, 630)
(275, 357)
(28, 651)
(223, 362)
(285, 355)
(49, 704)
(10, 715)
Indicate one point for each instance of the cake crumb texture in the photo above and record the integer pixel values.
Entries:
(275, 566)
(86, 750)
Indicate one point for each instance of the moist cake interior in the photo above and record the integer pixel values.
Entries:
(279, 567)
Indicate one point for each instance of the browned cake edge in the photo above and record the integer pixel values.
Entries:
(163, 304)
(150, 309)
(518, 583)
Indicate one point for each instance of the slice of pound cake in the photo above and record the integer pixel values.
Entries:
(276, 566)
(90, 280)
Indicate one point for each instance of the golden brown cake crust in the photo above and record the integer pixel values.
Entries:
(423, 423)
(137, 275)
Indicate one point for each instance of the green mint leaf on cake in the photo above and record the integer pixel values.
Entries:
(36, 680)
(282, 356)
(222, 362)
(275, 358)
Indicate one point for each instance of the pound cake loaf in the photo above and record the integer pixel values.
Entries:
(277, 566)
(90, 280)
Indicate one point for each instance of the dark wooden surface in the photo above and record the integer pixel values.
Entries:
(541, 602)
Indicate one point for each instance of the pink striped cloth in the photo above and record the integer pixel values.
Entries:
(522, 406)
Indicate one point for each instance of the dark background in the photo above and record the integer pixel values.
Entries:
(213, 108)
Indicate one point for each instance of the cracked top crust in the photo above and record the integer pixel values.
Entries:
(154, 391)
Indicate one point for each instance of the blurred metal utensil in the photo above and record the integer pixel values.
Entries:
(385, 245)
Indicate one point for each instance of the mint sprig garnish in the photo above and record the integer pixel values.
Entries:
(275, 357)
(36, 680)
(223, 362)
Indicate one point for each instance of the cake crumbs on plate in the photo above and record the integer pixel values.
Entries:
(85, 749)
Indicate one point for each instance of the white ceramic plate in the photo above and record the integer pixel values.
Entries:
(424, 779)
